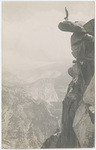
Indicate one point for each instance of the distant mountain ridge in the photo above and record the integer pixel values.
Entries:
(31, 109)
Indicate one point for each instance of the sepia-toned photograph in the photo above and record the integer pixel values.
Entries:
(48, 81)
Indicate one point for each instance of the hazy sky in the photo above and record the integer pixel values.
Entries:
(31, 37)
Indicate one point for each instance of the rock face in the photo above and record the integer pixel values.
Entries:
(84, 118)
(77, 128)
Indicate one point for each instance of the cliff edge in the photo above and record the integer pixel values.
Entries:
(78, 113)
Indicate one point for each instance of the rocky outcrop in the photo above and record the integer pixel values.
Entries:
(84, 118)
(77, 128)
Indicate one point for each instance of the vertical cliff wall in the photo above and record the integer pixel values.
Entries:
(77, 128)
